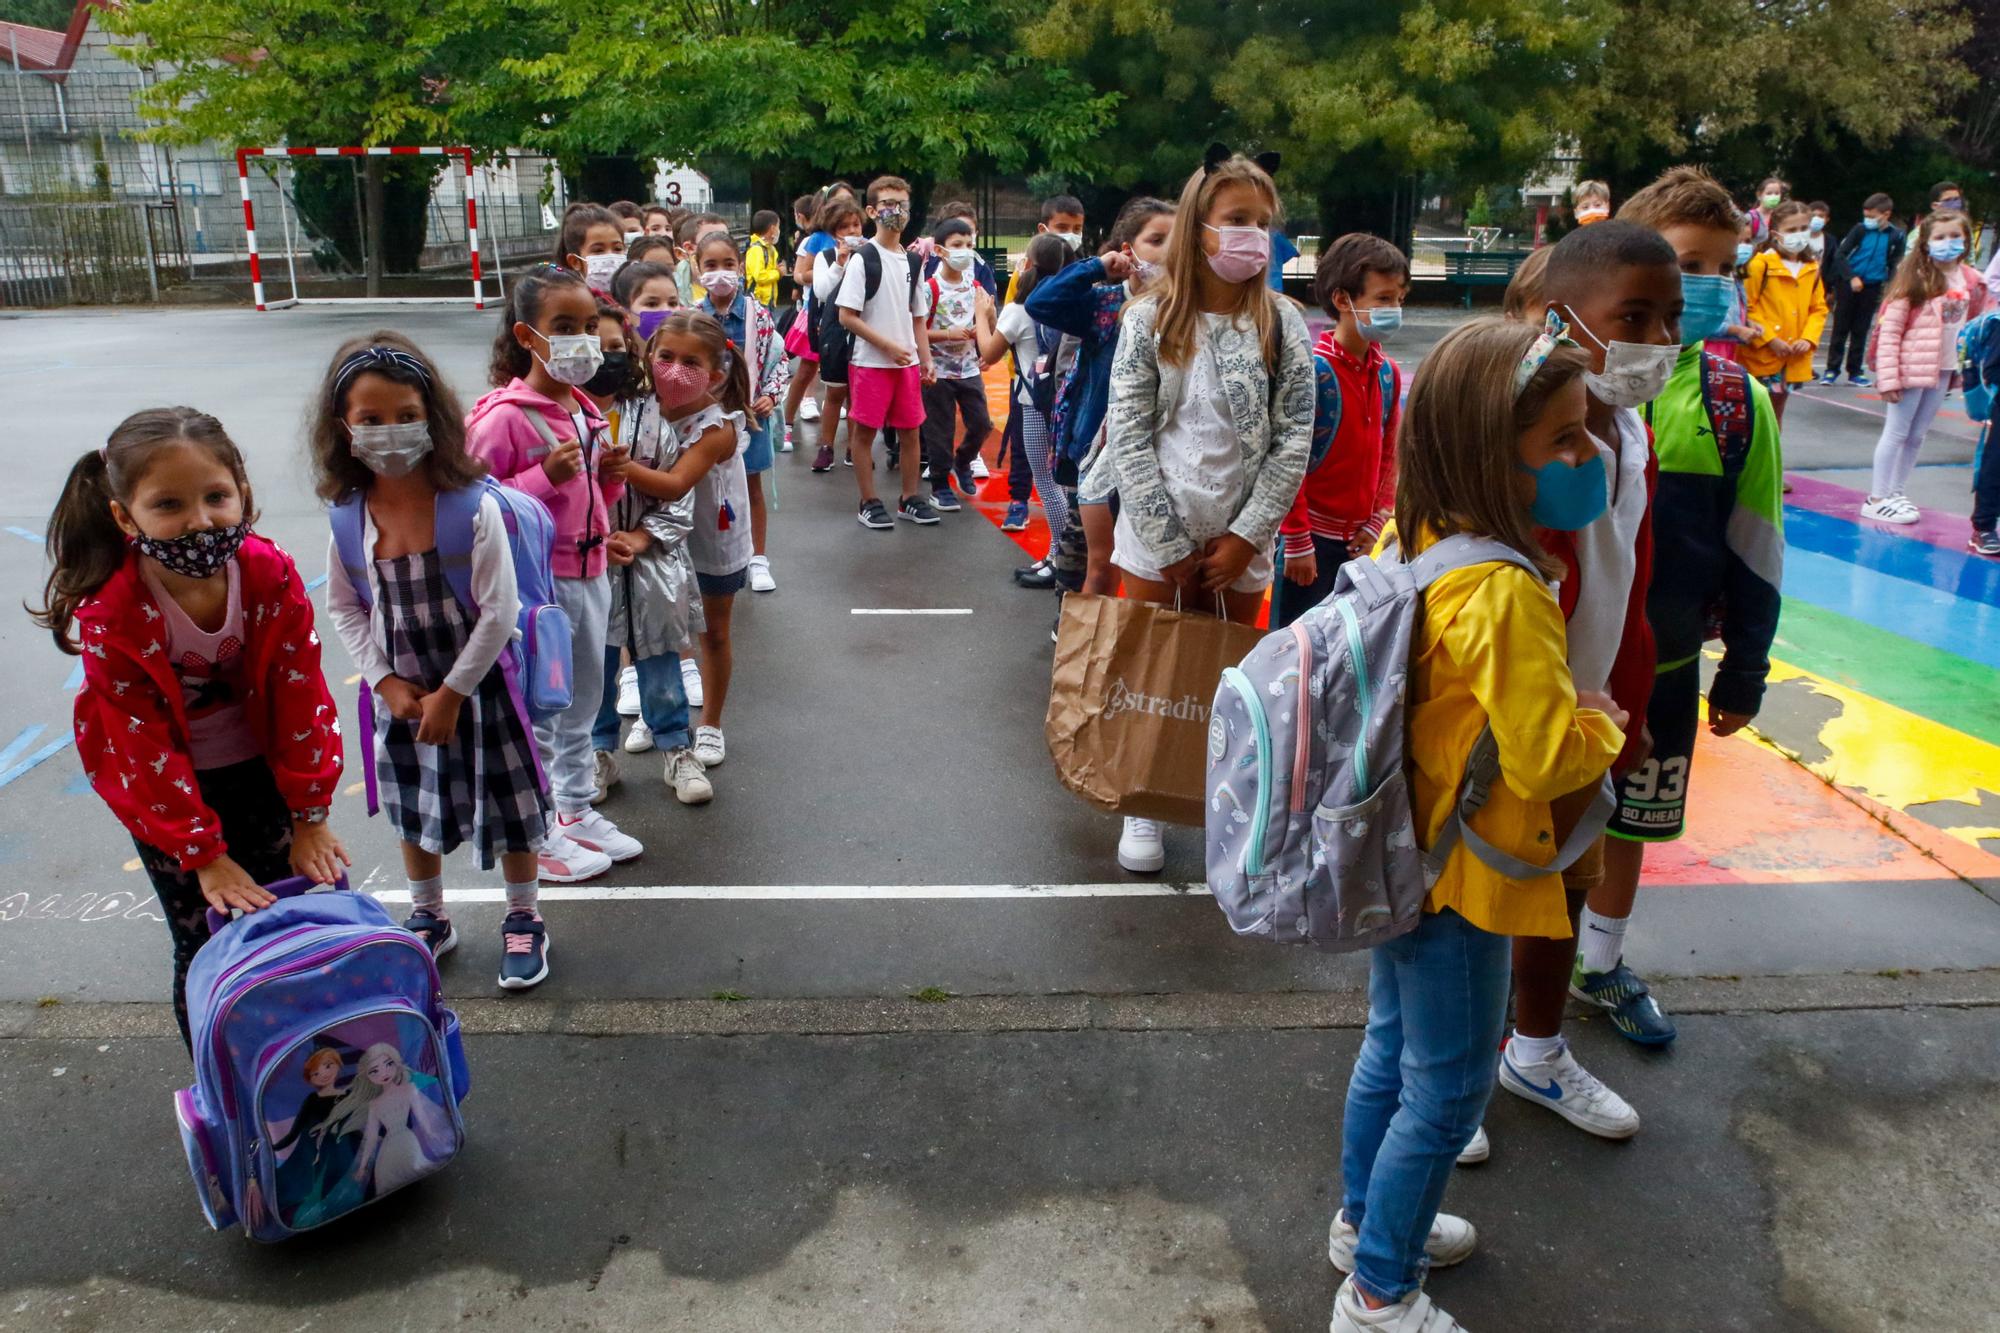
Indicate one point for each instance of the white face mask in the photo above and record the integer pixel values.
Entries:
(720, 284)
(1633, 374)
(597, 269)
(573, 357)
(960, 260)
(1073, 239)
(1794, 242)
(1145, 270)
(852, 242)
(390, 451)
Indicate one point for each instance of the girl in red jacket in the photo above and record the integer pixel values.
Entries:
(203, 721)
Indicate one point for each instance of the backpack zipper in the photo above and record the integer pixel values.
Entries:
(1253, 855)
(1303, 716)
(1363, 695)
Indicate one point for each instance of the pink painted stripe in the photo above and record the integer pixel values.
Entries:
(1844, 502)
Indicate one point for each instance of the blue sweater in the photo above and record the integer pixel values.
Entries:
(1080, 303)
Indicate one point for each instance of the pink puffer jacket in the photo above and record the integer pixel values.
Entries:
(1910, 350)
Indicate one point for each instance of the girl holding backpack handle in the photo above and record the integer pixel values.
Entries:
(1493, 444)
(452, 750)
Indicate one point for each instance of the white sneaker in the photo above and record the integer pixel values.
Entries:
(1413, 1314)
(628, 692)
(809, 409)
(691, 679)
(638, 737)
(593, 831)
(708, 746)
(1476, 1151)
(1452, 1241)
(979, 468)
(604, 773)
(560, 861)
(1140, 849)
(1890, 509)
(783, 431)
(688, 779)
(760, 575)
(1571, 1091)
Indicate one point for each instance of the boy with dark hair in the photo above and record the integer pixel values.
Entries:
(1946, 197)
(982, 272)
(958, 389)
(1617, 288)
(1349, 490)
(882, 302)
(1868, 256)
(1062, 215)
(1719, 534)
(760, 258)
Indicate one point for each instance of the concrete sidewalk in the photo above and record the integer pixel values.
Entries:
(1817, 1155)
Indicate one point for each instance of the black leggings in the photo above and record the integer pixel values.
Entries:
(258, 829)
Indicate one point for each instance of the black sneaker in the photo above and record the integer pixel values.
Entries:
(874, 514)
(435, 931)
(1041, 575)
(1986, 544)
(943, 500)
(917, 509)
(524, 951)
(967, 482)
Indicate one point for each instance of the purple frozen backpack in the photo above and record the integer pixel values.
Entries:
(328, 1072)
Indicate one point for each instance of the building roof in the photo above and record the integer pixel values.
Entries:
(45, 48)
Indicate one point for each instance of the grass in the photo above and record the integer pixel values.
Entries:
(729, 996)
(932, 995)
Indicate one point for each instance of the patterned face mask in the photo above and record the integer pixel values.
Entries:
(194, 555)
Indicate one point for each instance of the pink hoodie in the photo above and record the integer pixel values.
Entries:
(497, 431)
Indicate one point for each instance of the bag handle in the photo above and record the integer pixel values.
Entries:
(296, 887)
(1221, 607)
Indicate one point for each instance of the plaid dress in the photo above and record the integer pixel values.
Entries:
(481, 788)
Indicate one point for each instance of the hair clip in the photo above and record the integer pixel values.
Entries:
(1554, 334)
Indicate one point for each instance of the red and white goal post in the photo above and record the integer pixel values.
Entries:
(243, 156)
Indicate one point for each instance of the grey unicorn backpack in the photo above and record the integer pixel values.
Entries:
(1311, 837)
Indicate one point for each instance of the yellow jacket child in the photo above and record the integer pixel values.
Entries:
(1786, 300)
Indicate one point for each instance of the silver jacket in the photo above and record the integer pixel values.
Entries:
(655, 607)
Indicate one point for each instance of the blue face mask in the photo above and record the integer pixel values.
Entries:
(1872, 224)
(1707, 298)
(1380, 323)
(1945, 251)
(1744, 249)
(1568, 499)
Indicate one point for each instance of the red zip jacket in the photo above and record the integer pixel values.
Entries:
(132, 728)
(1632, 671)
(1351, 494)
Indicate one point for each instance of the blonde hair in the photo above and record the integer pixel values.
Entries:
(1918, 278)
(1458, 452)
(1524, 290)
(351, 1111)
(1180, 311)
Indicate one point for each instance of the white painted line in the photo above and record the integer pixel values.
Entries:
(561, 893)
(911, 611)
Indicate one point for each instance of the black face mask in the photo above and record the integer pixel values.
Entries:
(611, 377)
(194, 555)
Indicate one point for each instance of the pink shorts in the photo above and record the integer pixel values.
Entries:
(893, 398)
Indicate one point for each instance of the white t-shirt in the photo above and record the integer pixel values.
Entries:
(721, 541)
(1019, 331)
(954, 308)
(894, 309)
(1607, 556)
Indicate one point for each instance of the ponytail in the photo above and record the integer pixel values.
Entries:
(85, 548)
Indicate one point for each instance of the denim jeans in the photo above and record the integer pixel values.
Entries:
(1437, 1001)
(663, 702)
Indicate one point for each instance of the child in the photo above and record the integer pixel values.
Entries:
(1033, 347)
(1523, 297)
(760, 258)
(535, 432)
(1085, 302)
(591, 245)
(203, 721)
(800, 405)
(1591, 202)
(1495, 422)
(655, 613)
(658, 249)
(885, 312)
(753, 339)
(957, 392)
(1786, 301)
(840, 223)
(1062, 217)
(1727, 342)
(1617, 288)
(454, 757)
(982, 272)
(629, 218)
(1717, 519)
(1771, 192)
(1347, 498)
(703, 389)
(1868, 255)
(1210, 419)
(1932, 296)
(658, 220)
(689, 234)
(649, 292)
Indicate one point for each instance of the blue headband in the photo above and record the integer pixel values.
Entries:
(1554, 334)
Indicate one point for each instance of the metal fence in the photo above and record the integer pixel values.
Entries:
(89, 253)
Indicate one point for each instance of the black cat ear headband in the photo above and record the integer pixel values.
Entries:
(1218, 153)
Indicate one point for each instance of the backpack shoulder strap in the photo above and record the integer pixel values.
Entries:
(457, 512)
(871, 267)
(1482, 770)
(1392, 390)
(1461, 550)
(541, 426)
(349, 519)
(1725, 398)
(917, 276)
(930, 319)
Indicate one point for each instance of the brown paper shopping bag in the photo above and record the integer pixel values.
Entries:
(1129, 703)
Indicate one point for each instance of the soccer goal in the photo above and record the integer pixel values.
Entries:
(294, 234)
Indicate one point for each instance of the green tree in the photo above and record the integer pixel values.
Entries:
(318, 72)
(36, 14)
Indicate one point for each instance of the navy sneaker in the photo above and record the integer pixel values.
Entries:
(1861, 381)
(1017, 517)
(1986, 544)
(874, 514)
(524, 951)
(1620, 992)
(943, 500)
(917, 509)
(435, 931)
(1830, 377)
(966, 481)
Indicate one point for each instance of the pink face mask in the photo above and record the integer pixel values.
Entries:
(678, 383)
(1243, 254)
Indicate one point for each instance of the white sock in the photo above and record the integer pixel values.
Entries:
(428, 893)
(1601, 940)
(524, 897)
(1533, 1050)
